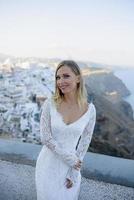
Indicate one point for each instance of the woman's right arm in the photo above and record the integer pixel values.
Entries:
(46, 137)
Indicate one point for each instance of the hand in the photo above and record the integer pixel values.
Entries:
(69, 183)
(78, 165)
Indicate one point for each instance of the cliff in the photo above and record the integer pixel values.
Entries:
(103, 81)
(114, 129)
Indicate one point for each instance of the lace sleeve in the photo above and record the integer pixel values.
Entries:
(47, 139)
(83, 145)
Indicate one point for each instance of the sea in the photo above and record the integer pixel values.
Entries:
(127, 76)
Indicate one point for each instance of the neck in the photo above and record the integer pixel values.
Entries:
(70, 98)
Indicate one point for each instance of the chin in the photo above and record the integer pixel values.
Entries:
(64, 91)
(67, 92)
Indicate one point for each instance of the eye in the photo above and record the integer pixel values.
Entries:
(57, 77)
(66, 76)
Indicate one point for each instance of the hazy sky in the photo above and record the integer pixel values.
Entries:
(94, 30)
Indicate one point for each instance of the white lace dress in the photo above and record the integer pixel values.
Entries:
(59, 154)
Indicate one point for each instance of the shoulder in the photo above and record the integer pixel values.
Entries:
(93, 108)
(46, 103)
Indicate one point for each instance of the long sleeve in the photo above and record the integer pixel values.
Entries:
(47, 139)
(83, 144)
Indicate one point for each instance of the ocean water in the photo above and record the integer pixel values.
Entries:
(127, 76)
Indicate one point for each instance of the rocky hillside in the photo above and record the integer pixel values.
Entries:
(103, 81)
(114, 130)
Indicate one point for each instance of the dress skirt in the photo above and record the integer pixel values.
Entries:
(50, 176)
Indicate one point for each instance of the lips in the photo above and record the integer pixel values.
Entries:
(63, 87)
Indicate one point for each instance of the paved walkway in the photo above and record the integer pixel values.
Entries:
(17, 182)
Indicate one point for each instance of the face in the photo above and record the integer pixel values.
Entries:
(66, 80)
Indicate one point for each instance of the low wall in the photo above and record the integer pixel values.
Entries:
(108, 169)
(95, 166)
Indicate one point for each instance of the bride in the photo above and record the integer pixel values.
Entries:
(66, 127)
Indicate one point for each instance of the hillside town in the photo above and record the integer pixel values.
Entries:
(22, 87)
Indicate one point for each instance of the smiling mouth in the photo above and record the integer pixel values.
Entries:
(63, 87)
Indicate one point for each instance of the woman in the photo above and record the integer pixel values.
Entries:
(66, 128)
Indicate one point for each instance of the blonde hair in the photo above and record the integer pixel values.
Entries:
(81, 92)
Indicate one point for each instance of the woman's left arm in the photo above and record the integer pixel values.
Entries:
(83, 144)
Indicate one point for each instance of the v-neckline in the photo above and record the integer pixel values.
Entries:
(60, 115)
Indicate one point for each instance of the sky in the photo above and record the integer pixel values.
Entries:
(91, 30)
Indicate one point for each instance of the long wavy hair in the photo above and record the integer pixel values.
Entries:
(81, 91)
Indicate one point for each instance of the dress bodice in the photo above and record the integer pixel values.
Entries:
(67, 135)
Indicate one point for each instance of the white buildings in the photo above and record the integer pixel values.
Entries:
(18, 92)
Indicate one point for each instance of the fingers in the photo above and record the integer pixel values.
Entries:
(78, 165)
(77, 168)
(69, 183)
(79, 162)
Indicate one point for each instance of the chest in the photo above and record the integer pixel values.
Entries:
(71, 115)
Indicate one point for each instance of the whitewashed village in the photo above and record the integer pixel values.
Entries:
(23, 88)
